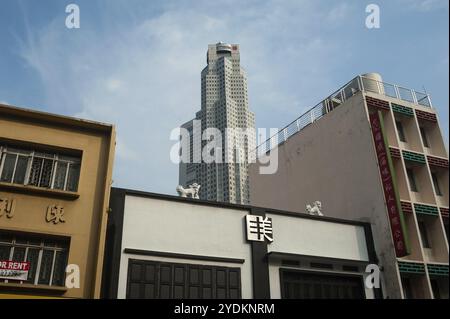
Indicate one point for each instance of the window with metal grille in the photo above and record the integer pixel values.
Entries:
(47, 256)
(47, 170)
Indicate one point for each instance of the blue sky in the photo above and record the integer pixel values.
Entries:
(137, 63)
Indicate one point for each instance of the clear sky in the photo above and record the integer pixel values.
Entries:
(137, 63)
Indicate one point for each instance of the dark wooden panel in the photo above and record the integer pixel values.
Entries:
(314, 285)
(151, 279)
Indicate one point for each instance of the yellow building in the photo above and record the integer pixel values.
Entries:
(55, 179)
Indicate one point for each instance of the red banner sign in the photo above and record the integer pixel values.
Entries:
(14, 270)
(394, 212)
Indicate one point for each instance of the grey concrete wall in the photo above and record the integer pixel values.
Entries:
(333, 160)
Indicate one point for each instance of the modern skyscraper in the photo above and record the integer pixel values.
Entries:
(374, 152)
(224, 106)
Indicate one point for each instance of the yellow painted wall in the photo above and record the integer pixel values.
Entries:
(86, 215)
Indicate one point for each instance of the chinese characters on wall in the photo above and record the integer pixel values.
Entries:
(394, 212)
(7, 207)
(54, 213)
(259, 228)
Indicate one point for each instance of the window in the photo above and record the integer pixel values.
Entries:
(424, 235)
(435, 288)
(423, 133)
(446, 228)
(406, 285)
(437, 188)
(48, 170)
(47, 257)
(401, 132)
(412, 180)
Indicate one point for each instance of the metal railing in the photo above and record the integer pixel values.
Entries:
(394, 91)
(358, 84)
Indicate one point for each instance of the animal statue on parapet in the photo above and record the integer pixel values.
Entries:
(315, 209)
(191, 191)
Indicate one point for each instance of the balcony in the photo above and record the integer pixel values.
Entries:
(432, 238)
(431, 136)
(395, 91)
(414, 281)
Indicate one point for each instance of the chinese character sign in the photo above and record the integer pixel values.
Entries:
(7, 207)
(386, 174)
(259, 228)
(55, 214)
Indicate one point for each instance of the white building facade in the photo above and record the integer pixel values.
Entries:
(161, 246)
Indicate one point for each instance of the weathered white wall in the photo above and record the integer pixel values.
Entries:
(184, 228)
(319, 238)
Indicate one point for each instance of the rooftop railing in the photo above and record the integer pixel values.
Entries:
(358, 84)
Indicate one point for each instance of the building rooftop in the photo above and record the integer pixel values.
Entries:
(232, 206)
(53, 118)
(362, 83)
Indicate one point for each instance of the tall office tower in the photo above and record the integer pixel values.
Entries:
(374, 152)
(224, 106)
